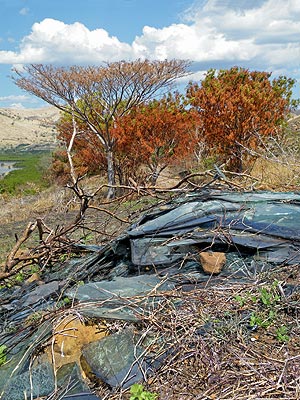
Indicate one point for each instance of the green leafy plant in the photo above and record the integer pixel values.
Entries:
(34, 269)
(66, 256)
(2, 354)
(87, 238)
(269, 297)
(19, 277)
(241, 300)
(138, 393)
(266, 315)
(63, 302)
(262, 319)
(282, 334)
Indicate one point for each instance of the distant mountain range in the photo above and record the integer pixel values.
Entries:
(28, 128)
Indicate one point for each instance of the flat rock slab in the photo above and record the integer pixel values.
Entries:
(69, 377)
(120, 287)
(116, 360)
(41, 292)
(36, 383)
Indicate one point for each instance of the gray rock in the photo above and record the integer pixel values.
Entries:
(120, 287)
(37, 382)
(70, 379)
(40, 293)
(18, 360)
(117, 360)
(113, 310)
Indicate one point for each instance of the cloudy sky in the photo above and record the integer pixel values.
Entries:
(255, 34)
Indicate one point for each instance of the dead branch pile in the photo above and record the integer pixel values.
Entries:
(51, 243)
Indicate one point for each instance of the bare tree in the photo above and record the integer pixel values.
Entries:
(98, 95)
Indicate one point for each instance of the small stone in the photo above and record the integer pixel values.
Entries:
(212, 262)
(35, 277)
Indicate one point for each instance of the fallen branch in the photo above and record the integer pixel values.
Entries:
(11, 259)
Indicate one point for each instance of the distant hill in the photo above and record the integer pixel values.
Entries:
(28, 128)
(36, 128)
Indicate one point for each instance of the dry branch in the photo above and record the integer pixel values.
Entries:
(11, 259)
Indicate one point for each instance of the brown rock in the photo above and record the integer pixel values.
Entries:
(212, 262)
(69, 337)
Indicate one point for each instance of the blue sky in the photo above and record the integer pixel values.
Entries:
(255, 34)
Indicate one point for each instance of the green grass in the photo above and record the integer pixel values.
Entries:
(30, 177)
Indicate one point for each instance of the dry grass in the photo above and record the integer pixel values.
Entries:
(276, 175)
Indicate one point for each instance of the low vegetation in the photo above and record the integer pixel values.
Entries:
(30, 175)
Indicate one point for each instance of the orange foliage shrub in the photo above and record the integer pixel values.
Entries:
(236, 109)
(146, 140)
(88, 156)
(156, 135)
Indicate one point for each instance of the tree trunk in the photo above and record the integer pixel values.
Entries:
(236, 161)
(156, 170)
(110, 174)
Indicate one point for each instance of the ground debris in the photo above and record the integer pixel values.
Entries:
(187, 333)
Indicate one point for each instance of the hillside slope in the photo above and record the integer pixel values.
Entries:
(28, 127)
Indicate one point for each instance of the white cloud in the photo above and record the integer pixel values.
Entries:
(18, 101)
(261, 34)
(16, 106)
(24, 11)
(266, 29)
(53, 41)
(195, 42)
(15, 98)
(194, 76)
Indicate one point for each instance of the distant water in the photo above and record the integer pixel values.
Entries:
(6, 167)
